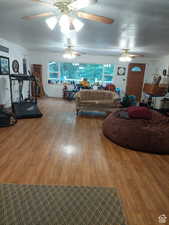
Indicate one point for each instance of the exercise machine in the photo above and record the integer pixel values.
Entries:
(25, 108)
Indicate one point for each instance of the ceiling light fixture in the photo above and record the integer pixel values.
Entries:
(51, 22)
(78, 25)
(69, 55)
(125, 58)
(66, 23)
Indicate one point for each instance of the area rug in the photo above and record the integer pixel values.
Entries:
(59, 205)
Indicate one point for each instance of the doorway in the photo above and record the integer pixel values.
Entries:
(135, 79)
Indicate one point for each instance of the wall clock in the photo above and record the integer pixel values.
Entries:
(121, 71)
(15, 66)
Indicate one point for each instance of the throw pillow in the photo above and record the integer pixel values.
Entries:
(139, 112)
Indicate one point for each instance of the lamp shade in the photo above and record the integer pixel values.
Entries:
(64, 21)
(77, 24)
(69, 55)
(69, 24)
(125, 58)
(51, 22)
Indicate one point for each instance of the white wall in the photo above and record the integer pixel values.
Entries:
(18, 53)
(120, 81)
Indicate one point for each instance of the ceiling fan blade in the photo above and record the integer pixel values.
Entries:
(38, 16)
(136, 55)
(77, 53)
(93, 17)
(41, 2)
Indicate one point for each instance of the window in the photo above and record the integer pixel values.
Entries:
(136, 69)
(53, 69)
(67, 72)
(108, 71)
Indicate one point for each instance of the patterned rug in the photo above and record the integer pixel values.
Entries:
(59, 205)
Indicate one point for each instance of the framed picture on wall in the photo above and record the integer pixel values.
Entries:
(4, 65)
(121, 71)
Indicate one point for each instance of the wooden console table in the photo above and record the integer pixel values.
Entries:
(155, 90)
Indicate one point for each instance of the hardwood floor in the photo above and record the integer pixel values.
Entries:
(63, 149)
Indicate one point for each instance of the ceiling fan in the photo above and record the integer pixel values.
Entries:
(69, 11)
(127, 57)
(69, 53)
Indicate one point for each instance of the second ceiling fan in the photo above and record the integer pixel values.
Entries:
(125, 56)
(69, 11)
(70, 53)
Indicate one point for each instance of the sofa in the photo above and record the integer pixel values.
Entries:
(95, 100)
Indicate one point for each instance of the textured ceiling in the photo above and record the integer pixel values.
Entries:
(141, 25)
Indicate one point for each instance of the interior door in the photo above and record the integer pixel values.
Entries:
(37, 72)
(135, 79)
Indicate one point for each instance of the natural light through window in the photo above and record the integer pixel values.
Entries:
(76, 72)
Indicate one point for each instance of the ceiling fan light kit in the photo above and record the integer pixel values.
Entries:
(70, 11)
(51, 22)
(68, 24)
(69, 52)
(77, 24)
(64, 21)
(125, 59)
(69, 55)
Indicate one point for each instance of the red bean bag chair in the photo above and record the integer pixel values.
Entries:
(139, 134)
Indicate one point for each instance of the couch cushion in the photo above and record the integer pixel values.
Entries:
(90, 103)
(96, 95)
(139, 112)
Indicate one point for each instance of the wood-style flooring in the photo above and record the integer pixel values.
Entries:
(62, 149)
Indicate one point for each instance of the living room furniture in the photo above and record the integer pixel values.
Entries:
(69, 94)
(155, 90)
(69, 91)
(139, 134)
(95, 100)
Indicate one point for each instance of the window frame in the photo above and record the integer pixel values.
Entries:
(102, 81)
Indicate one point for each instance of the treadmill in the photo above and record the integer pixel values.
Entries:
(25, 108)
